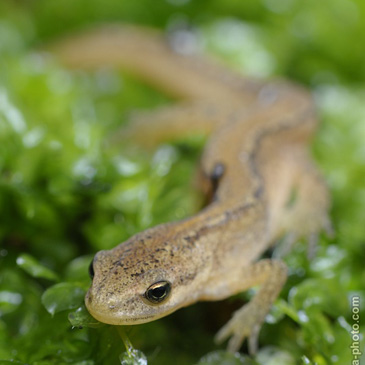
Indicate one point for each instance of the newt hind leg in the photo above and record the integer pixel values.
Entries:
(305, 213)
(170, 123)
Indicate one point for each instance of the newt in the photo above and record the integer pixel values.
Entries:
(257, 156)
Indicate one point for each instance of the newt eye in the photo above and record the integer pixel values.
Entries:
(91, 269)
(158, 292)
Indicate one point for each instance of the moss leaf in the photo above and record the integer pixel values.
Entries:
(30, 265)
(63, 296)
(81, 318)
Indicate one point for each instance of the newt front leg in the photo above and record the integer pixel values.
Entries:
(247, 321)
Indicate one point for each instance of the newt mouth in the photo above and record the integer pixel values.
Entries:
(119, 314)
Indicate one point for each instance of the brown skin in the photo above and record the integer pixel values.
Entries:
(257, 155)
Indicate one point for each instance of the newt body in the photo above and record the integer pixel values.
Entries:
(256, 157)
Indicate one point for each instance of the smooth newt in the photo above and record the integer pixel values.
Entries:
(256, 157)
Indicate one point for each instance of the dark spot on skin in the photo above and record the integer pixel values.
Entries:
(218, 171)
(259, 192)
(160, 249)
(216, 175)
(118, 263)
(102, 286)
(185, 280)
(192, 239)
(138, 273)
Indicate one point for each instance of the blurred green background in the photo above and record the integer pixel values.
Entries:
(65, 193)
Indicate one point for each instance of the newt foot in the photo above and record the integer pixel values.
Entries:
(245, 323)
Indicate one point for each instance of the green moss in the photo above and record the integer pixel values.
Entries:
(66, 193)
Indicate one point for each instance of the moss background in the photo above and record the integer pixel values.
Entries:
(65, 193)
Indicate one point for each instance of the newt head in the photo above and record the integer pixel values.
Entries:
(144, 278)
